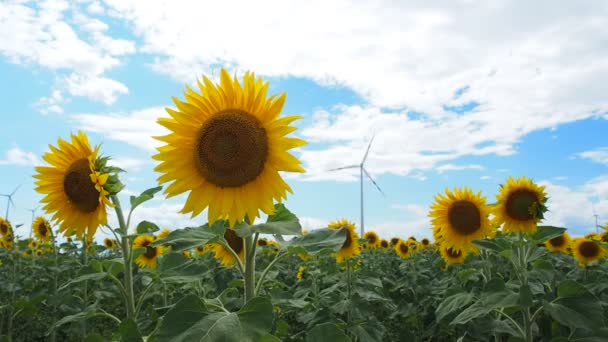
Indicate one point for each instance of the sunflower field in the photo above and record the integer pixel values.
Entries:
(485, 272)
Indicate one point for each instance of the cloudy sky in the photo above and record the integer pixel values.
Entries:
(457, 92)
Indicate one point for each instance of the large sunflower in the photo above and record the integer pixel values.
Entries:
(222, 254)
(148, 258)
(559, 243)
(520, 206)
(42, 229)
(227, 146)
(350, 247)
(373, 241)
(73, 186)
(452, 255)
(402, 249)
(460, 217)
(586, 251)
(5, 227)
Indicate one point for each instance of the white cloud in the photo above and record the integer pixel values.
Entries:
(454, 167)
(48, 35)
(598, 155)
(134, 128)
(485, 177)
(19, 157)
(127, 163)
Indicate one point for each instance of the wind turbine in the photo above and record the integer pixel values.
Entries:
(597, 226)
(9, 200)
(362, 170)
(33, 210)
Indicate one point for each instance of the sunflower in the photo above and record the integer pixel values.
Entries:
(200, 250)
(227, 146)
(593, 236)
(384, 243)
(604, 236)
(33, 244)
(163, 233)
(300, 275)
(148, 258)
(223, 255)
(394, 241)
(262, 242)
(373, 241)
(305, 231)
(109, 243)
(74, 186)
(273, 245)
(413, 244)
(425, 243)
(39, 252)
(187, 253)
(42, 229)
(412, 238)
(460, 217)
(520, 206)
(559, 243)
(586, 251)
(5, 227)
(452, 255)
(402, 249)
(350, 247)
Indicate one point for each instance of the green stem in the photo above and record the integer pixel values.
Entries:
(249, 251)
(348, 291)
(85, 294)
(54, 244)
(521, 331)
(142, 297)
(523, 256)
(276, 259)
(217, 307)
(126, 255)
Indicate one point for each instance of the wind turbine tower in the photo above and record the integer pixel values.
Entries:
(9, 200)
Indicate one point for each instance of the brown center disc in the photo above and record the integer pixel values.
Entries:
(231, 149)
(150, 252)
(3, 228)
(589, 249)
(384, 243)
(404, 248)
(557, 241)
(464, 217)
(234, 241)
(348, 241)
(394, 241)
(42, 229)
(425, 242)
(519, 204)
(78, 187)
(454, 254)
(372, 239)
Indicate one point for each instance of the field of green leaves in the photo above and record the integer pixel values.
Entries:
(490, 272)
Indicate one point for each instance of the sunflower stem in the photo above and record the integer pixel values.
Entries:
(126, 255)
(523, 269)
(85, 294)
(249, 251)
(348, 292)
(258, 286)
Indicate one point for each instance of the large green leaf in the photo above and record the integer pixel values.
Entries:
(570, 288)
(544, 233)
(85, 277)
(256, 318)
(191, 237)
(145, 227)
(129, 332)
(144, 196)
(576, 307)
(320, 239)
(452, 304)
(326, 332)
(282, 222)
(177, 268)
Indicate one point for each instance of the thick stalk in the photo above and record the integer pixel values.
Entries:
(126, 257)
(85, 294)
(258, 286)
(53, 336)
(249, 252)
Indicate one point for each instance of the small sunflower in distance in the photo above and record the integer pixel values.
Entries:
(42, 229)
(200, 250)
(384, 244)
(74, 186)
(460, 217)
(33, 244)
(402, 249)
(521, 205)
(587, 251)
(559, 243)
(425, 243)
(222, 254)
(109, 243)
(163, 233)
(373, 241)
(5, 227)
(300, 275)
(451, 255)
(148, 258)
(350, 247)
(394, 241)
(39, 252)
(226, 147)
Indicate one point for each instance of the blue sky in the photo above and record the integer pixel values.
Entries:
(450, 104)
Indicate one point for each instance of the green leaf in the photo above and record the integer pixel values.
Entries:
(319, 240)
(472, 312)
(326, 332)
(570, 288)
(452, 304)
(544, 233)
(177, 268)
(129, 332)
(568, 317)
(145, 227)
(187, 238)
(144, 196)
(525, 296)
(278, 228)
(113, 266)
(86, 277)
(281, 214)
(94, 337)
(492, 245)
(256, 318)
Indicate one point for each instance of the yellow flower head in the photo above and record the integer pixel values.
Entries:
(5, 227)
(587, 251)
(402, 249)
(163, 233)
(200, 250)
(300, 275)
(187, 254)
(109, 243)
(373, 241)
(350, 247)
(384, 243)
(593, 236)
(39, 252)
(395, 241)
(559, 243)
(42, 229)
(520, 206)
(222, 254)
(451, 255)
(148, 258)
(425, 243)
(33, 244)
(460, 217)
(226, 147)
(73, 186)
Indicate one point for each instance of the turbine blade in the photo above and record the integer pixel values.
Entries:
(17, 188)
(344, 167)
(373, 181)
(368, 147)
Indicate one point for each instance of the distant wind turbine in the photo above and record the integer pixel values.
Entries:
(362, 170)
(9, 200)
(33, 210)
